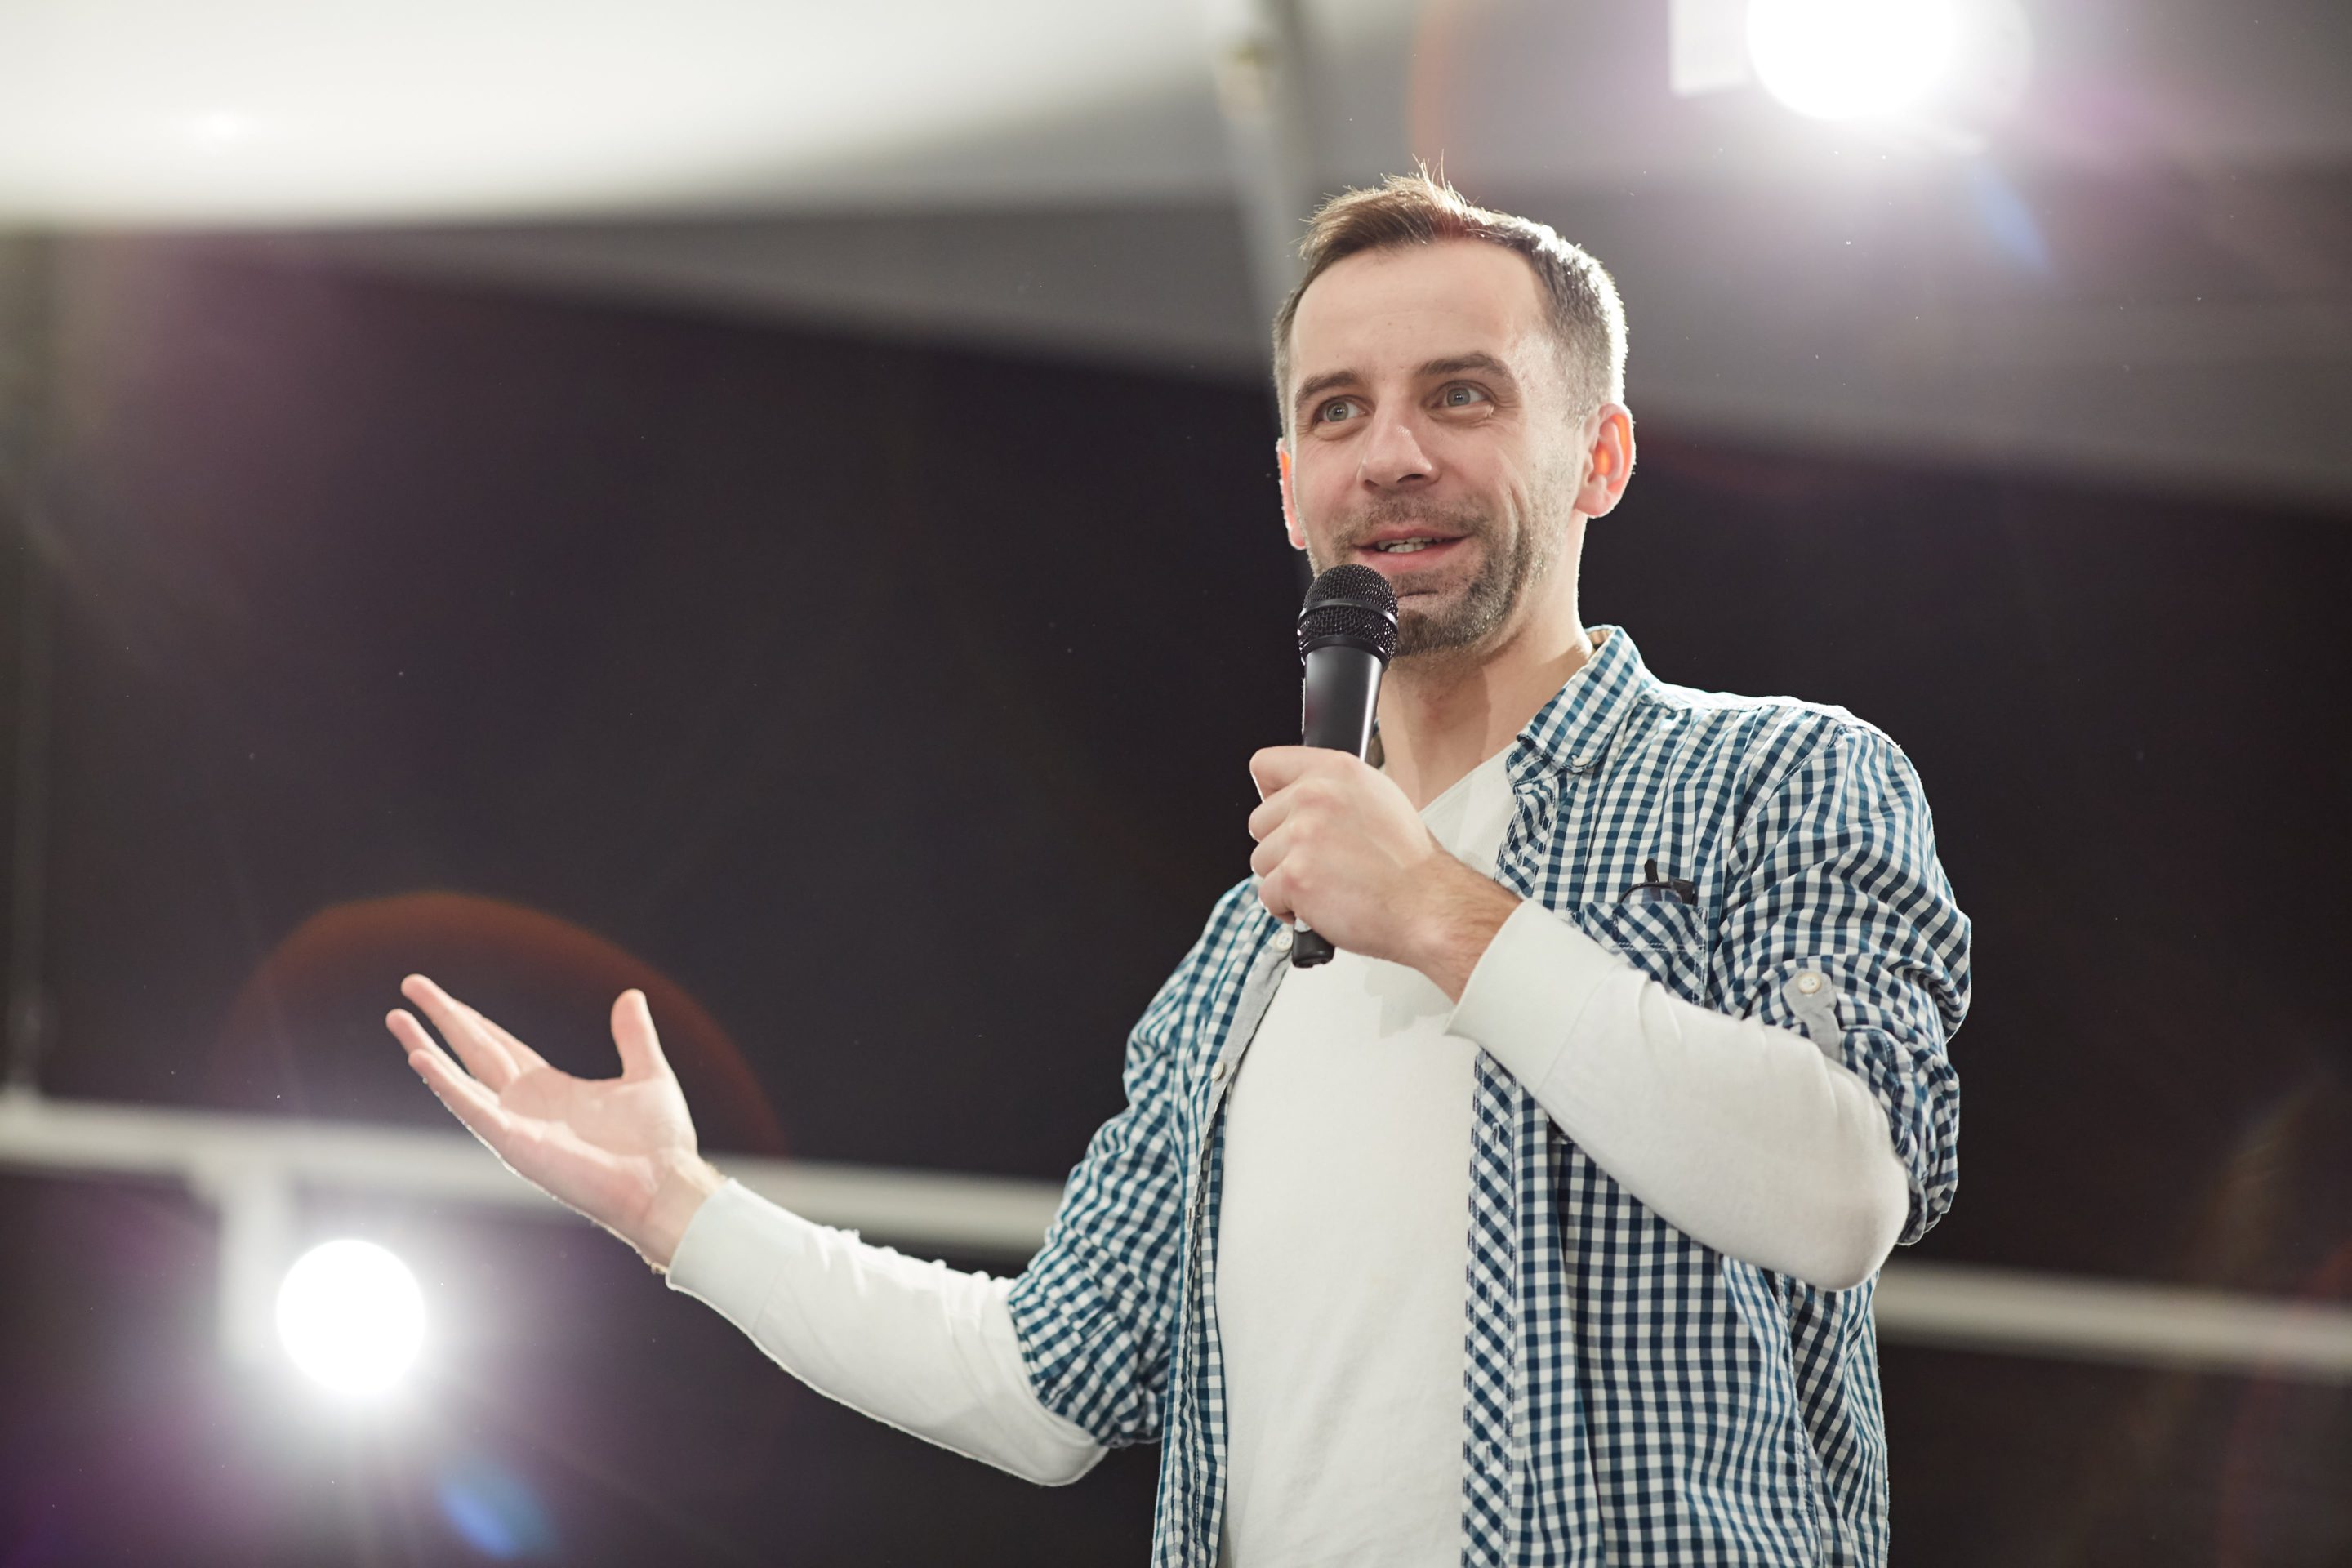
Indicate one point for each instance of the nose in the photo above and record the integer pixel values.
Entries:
(1393, 457)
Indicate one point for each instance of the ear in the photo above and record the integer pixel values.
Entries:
(1289, 496)
(1610, 462)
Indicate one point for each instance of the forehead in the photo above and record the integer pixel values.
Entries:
(1387, 309)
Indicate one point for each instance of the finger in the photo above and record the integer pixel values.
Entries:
(1310, 787)
(1276, 900)
(1271, 815)
(417, 1043)
(467, 1099)
(411, 1034)
(416, 1040)
(1277, 767)
(1267, 857)
(633, 1032)
(525, 1058)
(484, 1056)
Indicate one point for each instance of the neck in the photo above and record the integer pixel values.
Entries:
(1441, 714)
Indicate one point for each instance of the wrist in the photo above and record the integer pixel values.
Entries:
(1457, 920)
(687, 1182)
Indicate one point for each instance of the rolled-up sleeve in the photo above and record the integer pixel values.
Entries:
(1835, 875)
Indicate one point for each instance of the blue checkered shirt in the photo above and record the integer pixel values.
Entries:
(1630, 1396)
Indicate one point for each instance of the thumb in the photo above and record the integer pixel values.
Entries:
(633, 1032)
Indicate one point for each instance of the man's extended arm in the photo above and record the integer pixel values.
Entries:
(1037, 1375)
(933, 1350)
(922, 1347)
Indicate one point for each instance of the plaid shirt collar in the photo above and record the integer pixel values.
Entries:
(1570, 733)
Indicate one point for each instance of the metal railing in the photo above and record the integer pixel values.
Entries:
(254, 1167)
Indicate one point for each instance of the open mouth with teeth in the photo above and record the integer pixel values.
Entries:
(1422, 549)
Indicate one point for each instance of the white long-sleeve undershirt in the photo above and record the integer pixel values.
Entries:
(1746, 1137)
(1741, 1135)
(928, 1349)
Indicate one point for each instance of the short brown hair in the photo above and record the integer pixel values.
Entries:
(1421, 208)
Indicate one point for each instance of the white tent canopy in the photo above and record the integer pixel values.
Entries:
(1067, 177)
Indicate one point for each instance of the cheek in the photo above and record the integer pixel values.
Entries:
(1315, 470)
(1321, 491)
(1520, 488)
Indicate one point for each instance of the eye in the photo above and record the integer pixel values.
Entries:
(1338, 408)
(1462, 395)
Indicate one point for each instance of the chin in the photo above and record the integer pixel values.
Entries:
(1419, 635)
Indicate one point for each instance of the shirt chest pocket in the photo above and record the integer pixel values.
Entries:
(1665, 939)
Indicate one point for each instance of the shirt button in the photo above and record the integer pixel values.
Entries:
(1808, 983)
(1218, 1071)
(1282, 939)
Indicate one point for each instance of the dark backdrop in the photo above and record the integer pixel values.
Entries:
(889, 703)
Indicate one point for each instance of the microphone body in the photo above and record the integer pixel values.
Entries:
(1347, 633)
(1338, 692)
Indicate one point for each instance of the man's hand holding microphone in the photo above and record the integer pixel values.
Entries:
(1342, 852)
(1340, 845)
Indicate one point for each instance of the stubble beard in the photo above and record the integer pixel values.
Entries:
(1510, 568)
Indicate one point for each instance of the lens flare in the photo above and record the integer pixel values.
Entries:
(350, 1315)
(495, 1510)
(1846, 59)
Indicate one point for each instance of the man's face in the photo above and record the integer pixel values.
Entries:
(1428, 403)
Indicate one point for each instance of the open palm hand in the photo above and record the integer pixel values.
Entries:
(607, 1147)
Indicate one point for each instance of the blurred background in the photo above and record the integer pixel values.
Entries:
(774, 503)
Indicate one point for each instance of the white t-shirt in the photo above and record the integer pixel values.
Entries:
(1343, 1251)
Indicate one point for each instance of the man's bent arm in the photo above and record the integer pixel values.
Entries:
(1839, 932)
(1742, 1136)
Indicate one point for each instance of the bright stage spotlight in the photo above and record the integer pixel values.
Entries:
(350, 1315)
(1846, 59)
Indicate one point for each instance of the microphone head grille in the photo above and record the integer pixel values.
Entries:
(1352, 602)
(1357, 583)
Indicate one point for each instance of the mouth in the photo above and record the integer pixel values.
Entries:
(1407, 552)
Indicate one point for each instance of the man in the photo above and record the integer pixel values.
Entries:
(1541, 1225)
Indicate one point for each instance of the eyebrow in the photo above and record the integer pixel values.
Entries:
(1315, 386)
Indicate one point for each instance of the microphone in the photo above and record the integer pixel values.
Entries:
(1346, 632)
